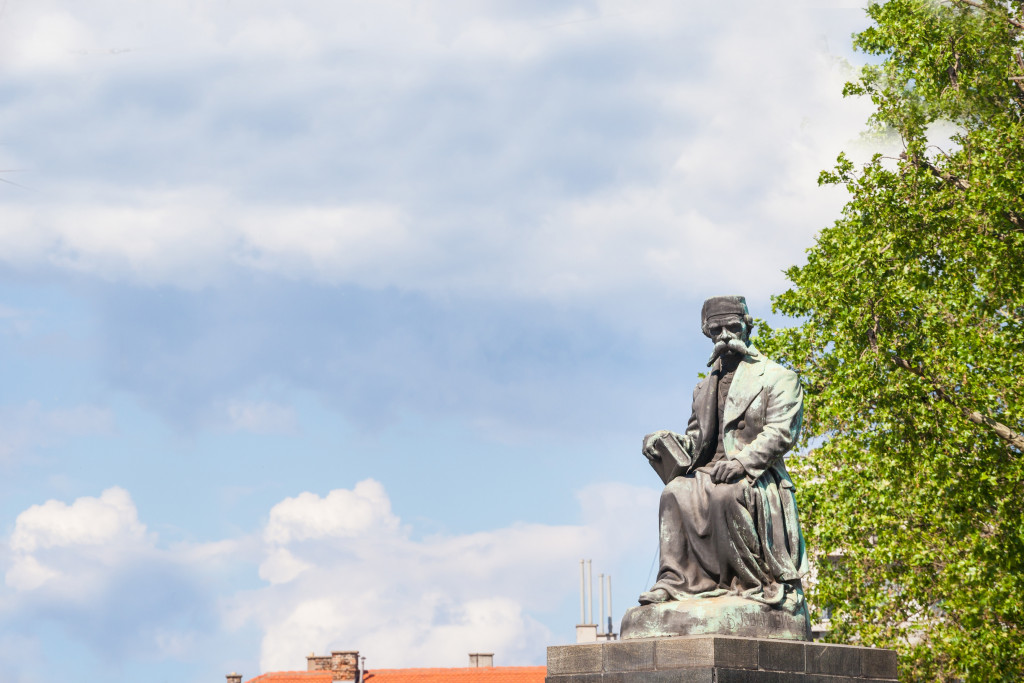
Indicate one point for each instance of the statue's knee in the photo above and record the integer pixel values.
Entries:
(727, 493)
(675, 489)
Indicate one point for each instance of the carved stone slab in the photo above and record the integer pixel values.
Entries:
(719, 659)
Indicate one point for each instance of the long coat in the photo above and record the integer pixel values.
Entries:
(743, 537)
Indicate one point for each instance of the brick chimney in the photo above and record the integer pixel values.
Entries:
(318, 663)
(343, 664)
(481, 659)
(234, 678)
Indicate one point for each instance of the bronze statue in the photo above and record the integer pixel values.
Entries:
(728, 517)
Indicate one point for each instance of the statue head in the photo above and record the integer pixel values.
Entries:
(726, 321)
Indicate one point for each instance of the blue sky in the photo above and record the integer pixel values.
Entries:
(337, 324)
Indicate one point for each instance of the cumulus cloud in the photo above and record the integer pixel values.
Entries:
(343, 572)
(365, 510)
(92, 568)
(110, 520)
(101, 529)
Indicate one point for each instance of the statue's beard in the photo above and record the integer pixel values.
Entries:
(724, 346)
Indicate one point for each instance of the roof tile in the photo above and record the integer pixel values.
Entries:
(294, 677)
(483, 674)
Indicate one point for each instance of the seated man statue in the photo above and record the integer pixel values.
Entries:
(728, 518)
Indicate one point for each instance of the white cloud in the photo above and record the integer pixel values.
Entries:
(345, 573)
(108, 520)
(332, 244)
(281, 566)
(46, 40)
(101, 529)
(193, 238)
(27, 573)
(422, 630)
(341, 514)
(463, 149)
(91, 568)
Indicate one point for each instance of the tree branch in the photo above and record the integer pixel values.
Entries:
(1002, 431)
(957, 181)
(1017, 79)
(982, 6)
(922, 162)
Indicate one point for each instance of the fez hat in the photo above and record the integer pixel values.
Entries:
(718, 306)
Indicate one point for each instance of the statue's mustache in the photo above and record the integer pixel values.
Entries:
(730, 345)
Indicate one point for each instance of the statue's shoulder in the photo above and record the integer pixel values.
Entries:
(773, 372)
(773, 367)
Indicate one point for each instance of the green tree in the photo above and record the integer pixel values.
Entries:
(911, 348)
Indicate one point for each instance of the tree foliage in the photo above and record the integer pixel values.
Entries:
(911, 349)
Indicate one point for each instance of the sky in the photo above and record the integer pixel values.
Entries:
(337, 324)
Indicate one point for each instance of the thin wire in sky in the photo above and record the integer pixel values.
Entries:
(650, 571)
(12, 170)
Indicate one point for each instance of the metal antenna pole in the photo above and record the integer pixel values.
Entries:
(583, 594)
(610, 630)
(590, 592)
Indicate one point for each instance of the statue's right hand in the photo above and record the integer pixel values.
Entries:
(670, 454)
(727, 471)
(650, 444)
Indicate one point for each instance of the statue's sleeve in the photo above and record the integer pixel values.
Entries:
(693, 426)
(782, 418)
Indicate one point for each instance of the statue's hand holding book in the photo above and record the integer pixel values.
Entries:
(670, 454)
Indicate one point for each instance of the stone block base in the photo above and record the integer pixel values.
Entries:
(718, 659)
(725, 614)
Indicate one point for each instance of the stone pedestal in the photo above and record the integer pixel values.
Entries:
(725, 614)
(718, 659)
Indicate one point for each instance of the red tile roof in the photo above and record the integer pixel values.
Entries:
(294, 677)
(483, 674)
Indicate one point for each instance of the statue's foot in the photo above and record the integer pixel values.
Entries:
(656, 595)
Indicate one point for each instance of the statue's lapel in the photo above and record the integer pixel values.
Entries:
(707, 410)
(746, 385)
